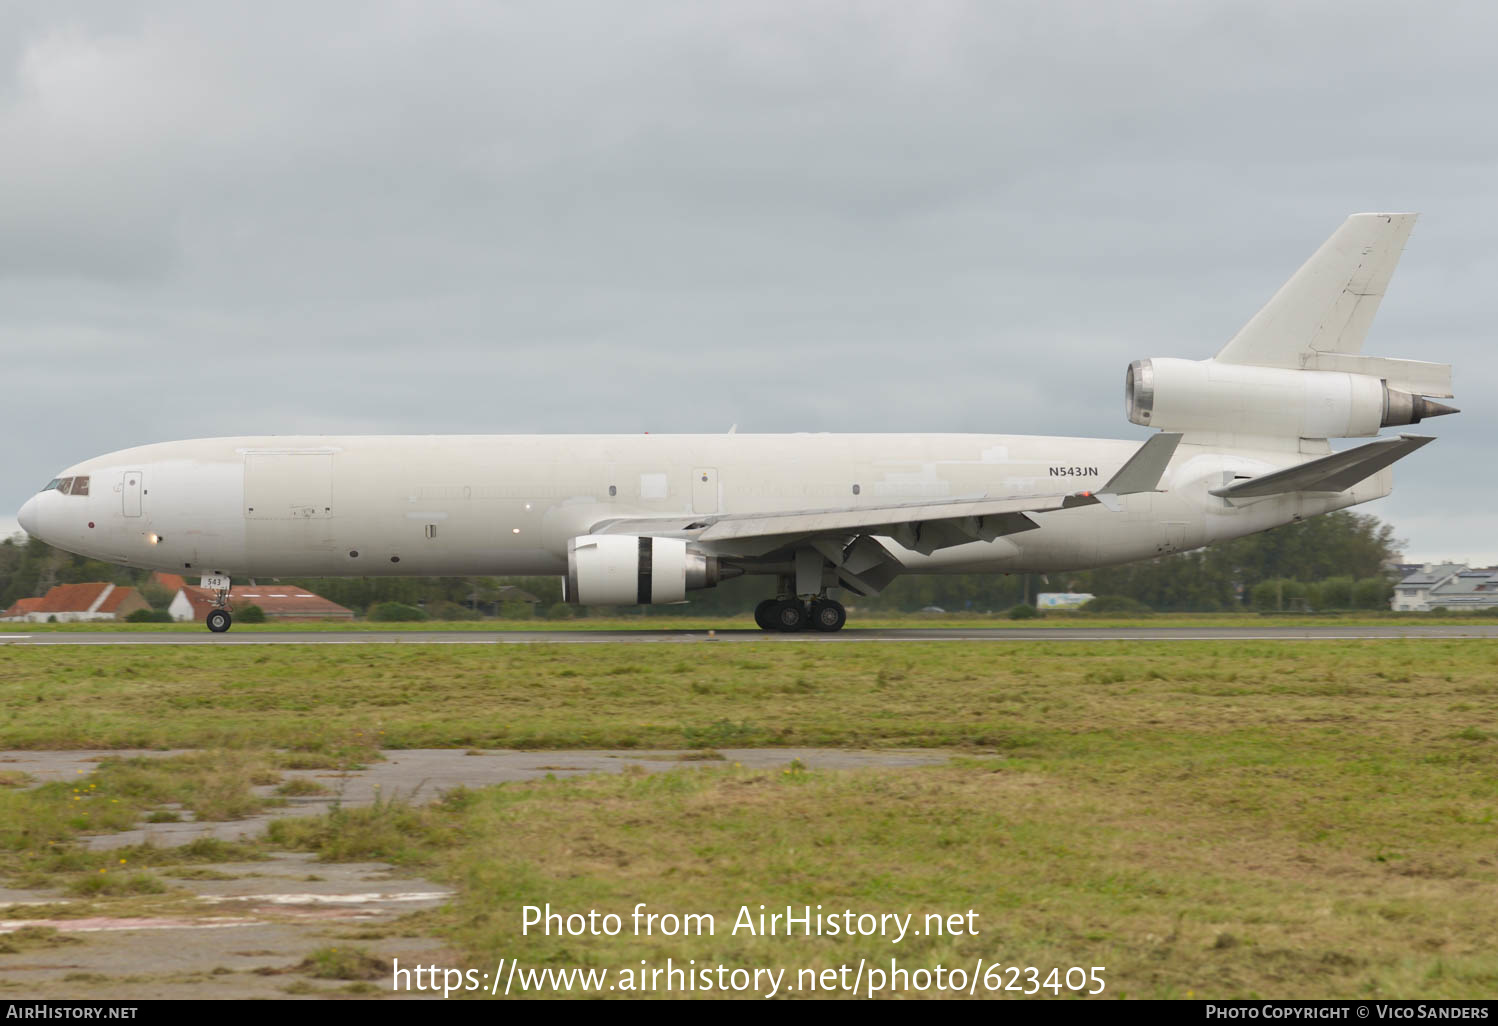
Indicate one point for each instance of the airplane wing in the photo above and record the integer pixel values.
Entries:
(1334, 473)
(923, 526)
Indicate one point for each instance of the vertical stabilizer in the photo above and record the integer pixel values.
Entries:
(1327, 306)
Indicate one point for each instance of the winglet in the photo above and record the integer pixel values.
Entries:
(1140, 474)
(1143, 471)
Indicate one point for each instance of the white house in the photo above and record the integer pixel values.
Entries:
(1447, 585)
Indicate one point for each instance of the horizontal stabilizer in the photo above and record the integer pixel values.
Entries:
(1335, 473)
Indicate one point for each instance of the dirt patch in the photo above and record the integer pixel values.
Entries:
(242, 937)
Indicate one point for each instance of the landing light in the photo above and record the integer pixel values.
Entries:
(153, 538)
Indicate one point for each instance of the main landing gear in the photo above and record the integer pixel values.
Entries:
(792, 614)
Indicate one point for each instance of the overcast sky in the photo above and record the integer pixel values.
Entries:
(484, 217)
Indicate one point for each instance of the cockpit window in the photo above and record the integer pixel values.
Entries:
(68, 485)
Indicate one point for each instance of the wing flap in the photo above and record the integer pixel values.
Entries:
(884, 519)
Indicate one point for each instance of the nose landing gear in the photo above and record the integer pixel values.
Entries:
(218, 618)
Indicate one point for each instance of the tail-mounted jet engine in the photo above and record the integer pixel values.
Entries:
(626, 569)
(1204, 395)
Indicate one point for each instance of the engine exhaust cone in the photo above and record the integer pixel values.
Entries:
(1404, 408)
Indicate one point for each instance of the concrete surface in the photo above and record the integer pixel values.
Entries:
(421, 774)
(244, 934)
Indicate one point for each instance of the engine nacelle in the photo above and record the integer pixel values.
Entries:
(1204, 395)
(626, 569)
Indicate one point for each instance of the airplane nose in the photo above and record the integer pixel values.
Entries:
(27, 517)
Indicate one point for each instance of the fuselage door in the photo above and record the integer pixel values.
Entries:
(130, 494)
(705, 490)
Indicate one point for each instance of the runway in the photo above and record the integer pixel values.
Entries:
(848, 636)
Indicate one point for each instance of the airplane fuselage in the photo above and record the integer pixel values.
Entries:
(457, 505)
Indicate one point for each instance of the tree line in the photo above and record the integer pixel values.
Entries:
(1336, 561)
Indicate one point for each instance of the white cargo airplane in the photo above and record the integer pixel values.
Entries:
(1243, 446)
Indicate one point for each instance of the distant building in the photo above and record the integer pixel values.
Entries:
(18, 611)
(1061, 599)
(277, 601)
(171, 582)
(70, 603)
(1451, 586)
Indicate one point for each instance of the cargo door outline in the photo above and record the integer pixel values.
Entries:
(130, 494)
(288, 509)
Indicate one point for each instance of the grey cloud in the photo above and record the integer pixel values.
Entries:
(653, 216)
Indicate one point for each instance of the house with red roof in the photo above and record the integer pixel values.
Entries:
(277, 601)
(18, 611)
(171, 582)
(70, 603)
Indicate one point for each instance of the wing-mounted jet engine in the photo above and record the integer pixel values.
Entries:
(625, 569)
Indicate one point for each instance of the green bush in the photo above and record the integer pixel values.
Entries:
(395, 612)
(442, 609)
(558, 611)
(516, 610)
(1022, 612)
(155, 594)
(1115, 604)
(249, 614)
(1279, 594)
(1336, 593)
(1372, 593)
(149, 616)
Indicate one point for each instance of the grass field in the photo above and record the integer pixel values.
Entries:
(988, 697)
(1203, 818)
